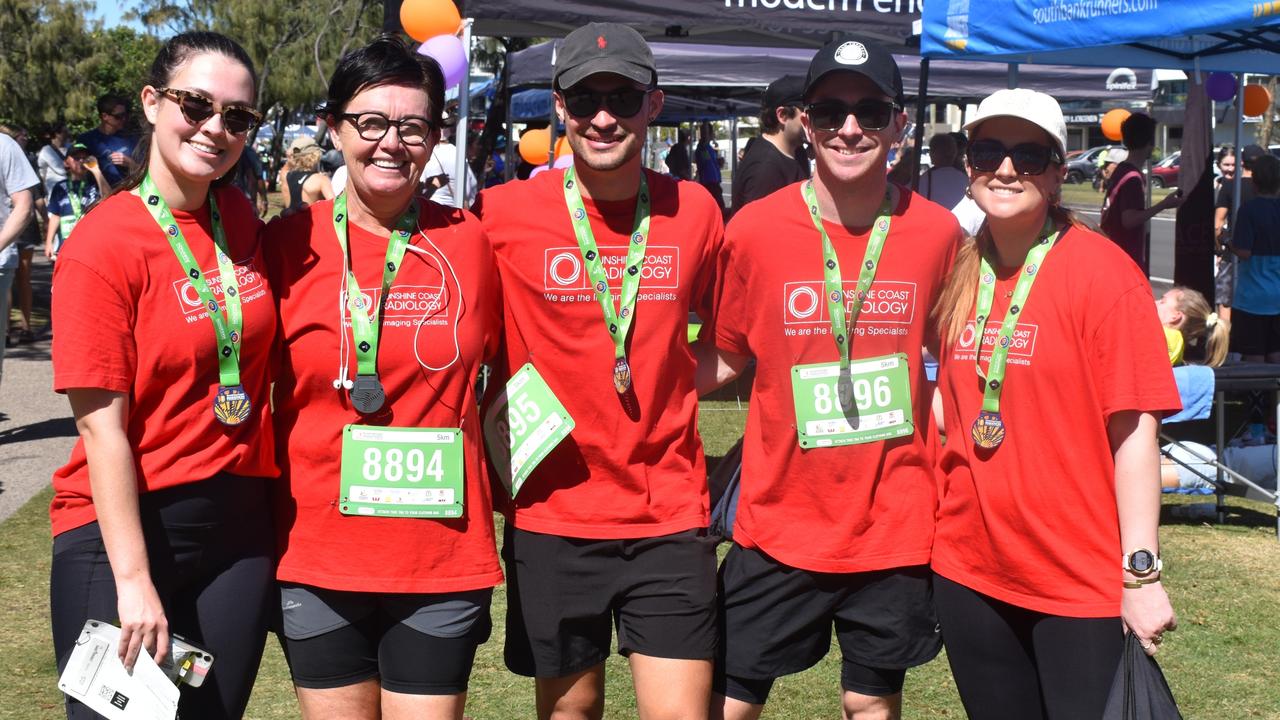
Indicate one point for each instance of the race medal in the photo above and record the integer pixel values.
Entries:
(616, 321)
(879, 406)
(988, 430)
(401, 472)
(367, 395)
(621, 376)
(231, 405)
(523, 425)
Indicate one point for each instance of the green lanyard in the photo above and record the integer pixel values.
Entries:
(834, 284)
(73, 196)
(989, 430)
(367, 395)
(231, 405)
(617, 322)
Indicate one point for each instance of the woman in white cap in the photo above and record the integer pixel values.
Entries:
(301, 180)
(1046, 550)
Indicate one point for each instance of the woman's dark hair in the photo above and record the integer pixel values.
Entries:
(172, 55)
(1266, 174)
(1138, 131)
(385, 61)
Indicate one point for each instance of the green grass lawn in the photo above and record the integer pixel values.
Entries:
(1223, 662)
(1082, 195)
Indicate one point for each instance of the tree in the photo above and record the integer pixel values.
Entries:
(39, 82)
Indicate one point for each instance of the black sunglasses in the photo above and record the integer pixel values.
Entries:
(373, 126)
(623, 103)
(237, 119)
(1028, 158)
(871, 114)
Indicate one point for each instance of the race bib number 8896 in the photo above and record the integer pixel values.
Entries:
(871, 402)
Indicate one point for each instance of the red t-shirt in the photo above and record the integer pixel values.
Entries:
(615, 476)
(1127, 192)
(1034, 523)
(851, 508)
(129, 321)
(453, 285)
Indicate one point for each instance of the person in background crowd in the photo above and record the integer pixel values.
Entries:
(110, 142)
(962, 147)
(678, 157)
(49, 163)
(777, 158)
(71, 198)
(1124, 209)
(439, 176)
(708, 162)
(1228, 265)
(943, 182)
(248, 177)
(609, 530)
(384, 604)
(28, 240)
(1191, 324)
(1226, 168)
(1045, 553)
(850, 234)
(301, 181)
(901, 172)
(161, 517)
(19, 186)
(1255, 308)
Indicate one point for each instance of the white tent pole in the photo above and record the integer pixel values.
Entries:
(460, 130)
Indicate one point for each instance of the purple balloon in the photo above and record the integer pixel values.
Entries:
(563, 161)
(446, 50)
(1220, 86)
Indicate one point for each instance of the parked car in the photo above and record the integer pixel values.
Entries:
(1084, 166)
(1165, 172)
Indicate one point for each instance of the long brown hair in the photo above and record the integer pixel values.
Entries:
(959, 295)
(1200, 322)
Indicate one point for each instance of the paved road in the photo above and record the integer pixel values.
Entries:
(36, 429)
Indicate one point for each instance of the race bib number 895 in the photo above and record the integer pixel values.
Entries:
(871, 402)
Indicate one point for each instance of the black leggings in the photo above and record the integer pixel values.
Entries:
(212, 555)
(1010, 662)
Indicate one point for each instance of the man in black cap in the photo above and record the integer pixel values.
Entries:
(828, 284)
(609, 530)
(777, 158)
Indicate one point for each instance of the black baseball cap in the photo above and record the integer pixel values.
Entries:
(856, 54)
(1251, 153)
(786, 90)
(604, 48)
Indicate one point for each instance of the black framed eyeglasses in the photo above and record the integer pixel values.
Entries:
(871, 113)
(622, 103)
(987, 155)
(237, 118)
(373, 126)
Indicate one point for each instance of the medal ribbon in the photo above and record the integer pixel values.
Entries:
(73, 196)
(227, 329)
(366, 322)
(833, 284)
(618, 322)
(994, 376)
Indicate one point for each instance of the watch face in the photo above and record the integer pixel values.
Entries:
(1141, 561)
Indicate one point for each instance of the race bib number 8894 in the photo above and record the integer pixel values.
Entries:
(401, 472)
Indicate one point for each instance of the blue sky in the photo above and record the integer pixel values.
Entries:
(110, 12)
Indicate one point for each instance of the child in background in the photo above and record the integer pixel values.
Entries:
(1189, 321)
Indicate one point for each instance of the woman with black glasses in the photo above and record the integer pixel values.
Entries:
(1053, 378)
(161, 517)
(388, 304)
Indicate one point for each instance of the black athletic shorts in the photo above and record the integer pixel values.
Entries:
(565, 596)
(776, 620)
(414, 643)
(1254, 334)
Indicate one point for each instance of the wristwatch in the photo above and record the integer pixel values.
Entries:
(1142, 562)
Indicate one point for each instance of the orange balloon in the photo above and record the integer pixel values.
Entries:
(1111, 123)
(1256, 100)
(423, 19)
(535, 146)
(562, 146)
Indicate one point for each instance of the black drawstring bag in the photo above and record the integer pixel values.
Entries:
(1139, 691)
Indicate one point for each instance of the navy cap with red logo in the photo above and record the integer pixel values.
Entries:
(604, 48)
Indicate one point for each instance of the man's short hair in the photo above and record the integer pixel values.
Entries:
(109, 102)
(942, 149)
(769, 124)
(1138, 131)
(1266, 174)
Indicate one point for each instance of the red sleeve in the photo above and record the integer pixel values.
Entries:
(704, 293)
(1130, 358)
(94, 346)
(731, 291)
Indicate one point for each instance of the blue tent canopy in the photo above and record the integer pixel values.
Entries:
(1225, 35)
